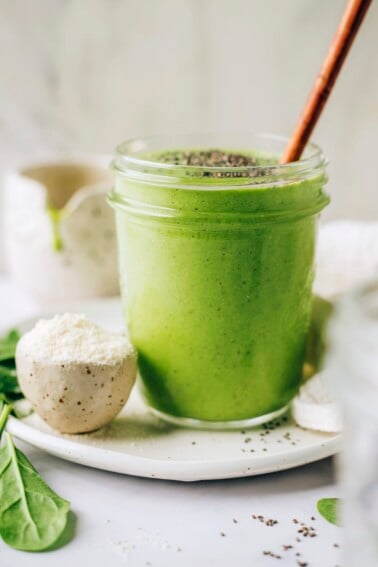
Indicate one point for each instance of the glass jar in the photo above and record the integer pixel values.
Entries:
(216, 267)
(353, 362)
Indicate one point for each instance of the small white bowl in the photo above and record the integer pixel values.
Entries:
(66, 255)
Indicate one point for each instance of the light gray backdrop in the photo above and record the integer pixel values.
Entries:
(81, 75)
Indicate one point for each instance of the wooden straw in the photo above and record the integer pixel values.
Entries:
(338, 50)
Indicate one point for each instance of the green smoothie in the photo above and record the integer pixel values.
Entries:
(216, 266)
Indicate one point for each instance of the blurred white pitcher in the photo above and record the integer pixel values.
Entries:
(353, 367)
(59, 230)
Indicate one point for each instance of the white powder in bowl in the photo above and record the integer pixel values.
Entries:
(73, 338)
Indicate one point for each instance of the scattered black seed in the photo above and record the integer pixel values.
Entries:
(287, 547)
(222, 534)
(307, 531)
(234, 520)
(194, 443)
(247, 440)
(267, 521)
(271, 554)
(336, 545)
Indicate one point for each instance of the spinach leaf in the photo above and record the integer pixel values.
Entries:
(9, 387)
(13, 336)
(329, 509)
(5, 410)
(8, 345)
(32, 516)
(8, 371)
(8, 380)
(4, 398)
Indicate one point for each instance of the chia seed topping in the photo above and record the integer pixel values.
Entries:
(236, 164)
(207, 158)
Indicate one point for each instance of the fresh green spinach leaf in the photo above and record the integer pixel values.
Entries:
(5, 410)
(7, 371)
(329, 509)
(9, 387)
(32, 516)
(13, 336)
(8, 345)
(8, 380)
(5, 399)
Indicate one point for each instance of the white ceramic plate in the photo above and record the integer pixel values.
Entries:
(140, 444)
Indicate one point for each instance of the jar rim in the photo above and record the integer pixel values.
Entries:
(130, 157)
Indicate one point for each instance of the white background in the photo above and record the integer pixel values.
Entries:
(81, 75)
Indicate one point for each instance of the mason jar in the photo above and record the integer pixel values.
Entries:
(353, 363)
(216, 268)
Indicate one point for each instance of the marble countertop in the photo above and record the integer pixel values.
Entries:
(127, 521)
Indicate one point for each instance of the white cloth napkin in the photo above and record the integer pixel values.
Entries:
(347, 256)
